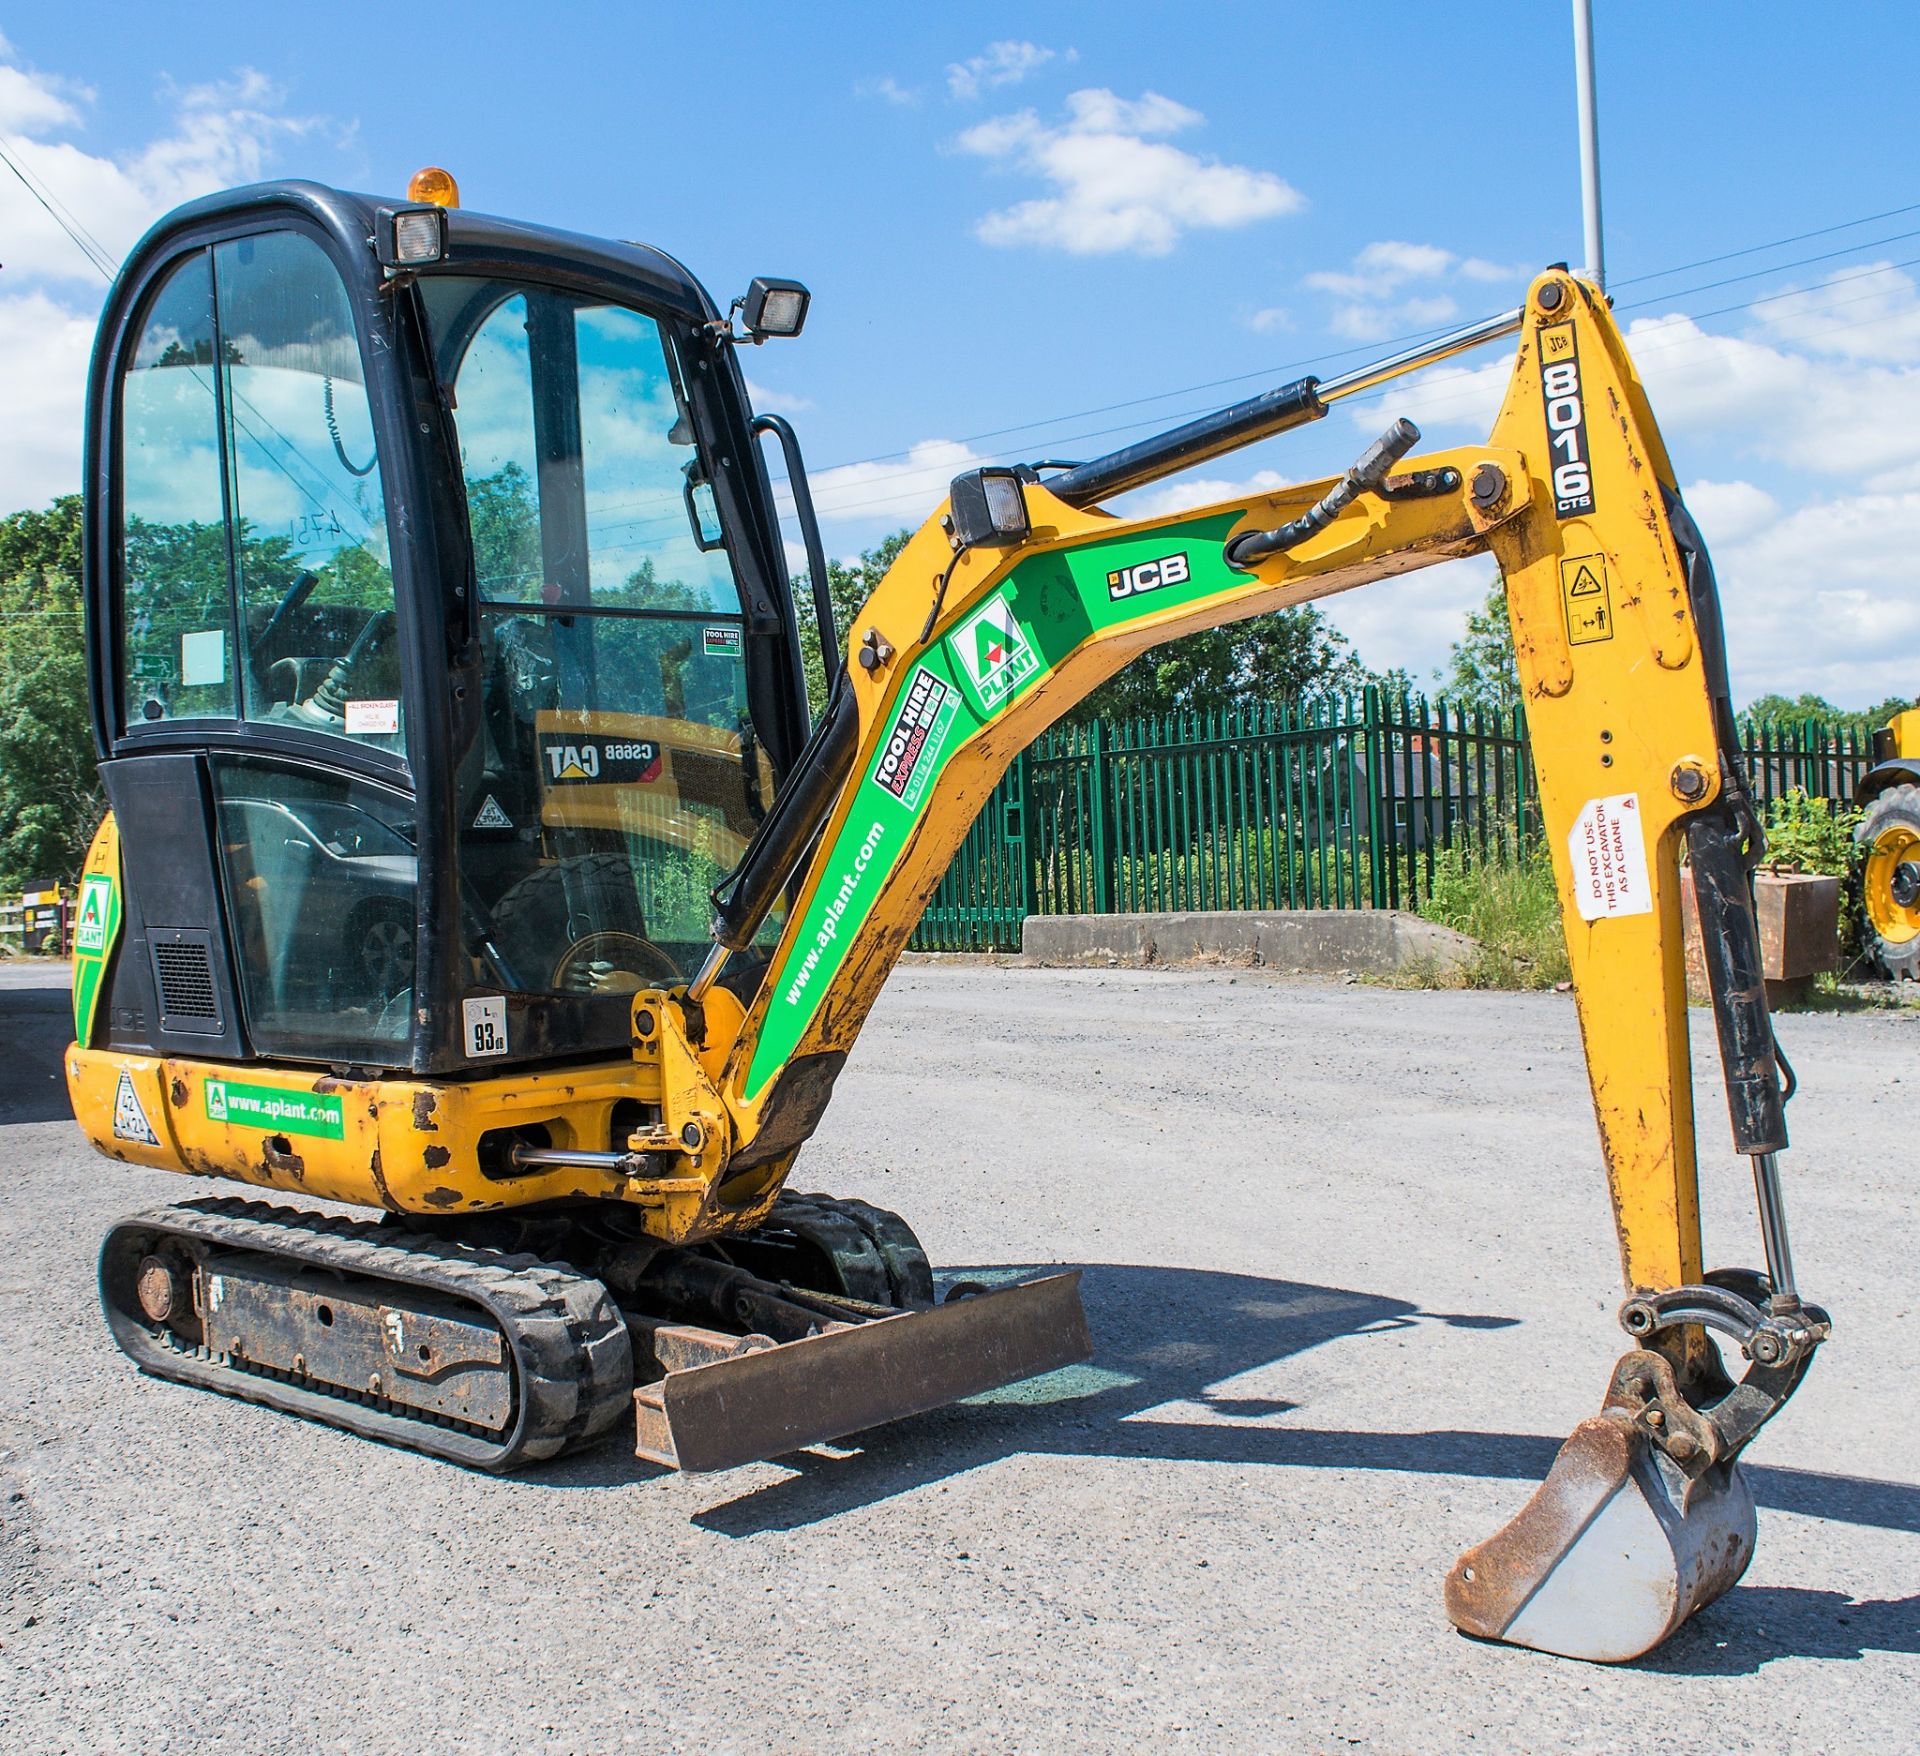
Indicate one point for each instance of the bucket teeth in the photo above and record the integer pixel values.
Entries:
(1617, 1548)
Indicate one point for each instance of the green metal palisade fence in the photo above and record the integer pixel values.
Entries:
(1340, 803)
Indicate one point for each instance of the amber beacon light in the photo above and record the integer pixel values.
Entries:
(435, 185)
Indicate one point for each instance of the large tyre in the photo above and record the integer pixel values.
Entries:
(576, 926)
(1889, 838)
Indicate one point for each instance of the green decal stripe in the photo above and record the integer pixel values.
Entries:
(996, 653)
(94, 935)
(274, 1111)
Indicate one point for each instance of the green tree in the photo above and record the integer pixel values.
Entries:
(849, 585)
(1791, 709)
(1480, 671)
(505, 518)
(50, 801)
(1285, 655)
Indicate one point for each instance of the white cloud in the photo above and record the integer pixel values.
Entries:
(43, 364)
(889, 88)
(1269, 319)
(1728, 512)
(1867, 312)
(1821, 595)
(1374, 302)
(35, 104)
(778, 402)
(1408, 623)
(1826, 598)
(1191, 491)
(220, 135)
(1377, 322)
(902, 489)
(1005, 63)
(1117, 187)
(1383, 268)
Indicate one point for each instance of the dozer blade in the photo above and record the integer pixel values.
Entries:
(1616, 1549)
(783, 1397)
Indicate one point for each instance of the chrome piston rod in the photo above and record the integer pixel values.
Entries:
(1773, 1229)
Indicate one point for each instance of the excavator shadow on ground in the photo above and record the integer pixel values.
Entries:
(1173, 1341)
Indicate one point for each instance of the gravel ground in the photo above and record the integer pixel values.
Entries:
(1351, 1276)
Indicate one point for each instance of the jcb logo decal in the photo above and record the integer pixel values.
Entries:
(1131, 582)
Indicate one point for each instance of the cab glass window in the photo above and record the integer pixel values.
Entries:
(620, 776)
(320, 873)
(176, 627)
(318, 639)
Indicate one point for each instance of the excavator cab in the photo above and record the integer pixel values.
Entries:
(444, 653)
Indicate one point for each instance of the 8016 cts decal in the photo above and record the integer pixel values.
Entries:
(1567, 450)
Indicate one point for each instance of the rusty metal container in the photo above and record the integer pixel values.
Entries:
(1799, 919)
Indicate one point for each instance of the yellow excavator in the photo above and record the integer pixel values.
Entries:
(476, 858)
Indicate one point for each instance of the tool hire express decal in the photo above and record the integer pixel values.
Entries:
(1572, 463)
(924, 716)
(571, 760)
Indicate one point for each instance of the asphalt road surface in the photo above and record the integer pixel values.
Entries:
(1351, 1275)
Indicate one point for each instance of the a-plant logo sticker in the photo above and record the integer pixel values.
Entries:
(90, 931)
(995, 652)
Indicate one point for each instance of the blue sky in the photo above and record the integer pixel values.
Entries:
(1014, 219)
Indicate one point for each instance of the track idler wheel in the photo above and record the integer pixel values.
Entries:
(1645, 1516)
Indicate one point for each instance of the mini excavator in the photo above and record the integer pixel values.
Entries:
(475, 856)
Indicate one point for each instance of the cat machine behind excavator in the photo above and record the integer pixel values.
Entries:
(477, 859)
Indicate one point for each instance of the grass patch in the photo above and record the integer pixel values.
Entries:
(1509, 905)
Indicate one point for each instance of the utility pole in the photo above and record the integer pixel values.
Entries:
(1596, 270)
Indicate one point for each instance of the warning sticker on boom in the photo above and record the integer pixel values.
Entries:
(1608, 852)
(1583, 588)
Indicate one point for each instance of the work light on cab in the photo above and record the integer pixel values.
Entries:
(774, 308)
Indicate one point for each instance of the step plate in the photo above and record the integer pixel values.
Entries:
(844, 1381)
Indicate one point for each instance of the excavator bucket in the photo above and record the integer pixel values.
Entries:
(1615, 1550)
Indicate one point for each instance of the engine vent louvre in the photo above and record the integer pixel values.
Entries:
(184, 969)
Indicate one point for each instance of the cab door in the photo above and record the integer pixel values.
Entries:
(258, 713)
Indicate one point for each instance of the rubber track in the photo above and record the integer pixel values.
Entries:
(567, 1340)
(895, 1251)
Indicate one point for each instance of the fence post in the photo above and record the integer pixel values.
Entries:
(1102, 821)
(1376, 845)
(1025, 844)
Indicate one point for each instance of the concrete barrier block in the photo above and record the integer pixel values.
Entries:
(1374, 942)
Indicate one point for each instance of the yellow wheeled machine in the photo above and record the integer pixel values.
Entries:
(1889, 840)
(475, 858)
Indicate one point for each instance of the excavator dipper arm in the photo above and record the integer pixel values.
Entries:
(1023, 594)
